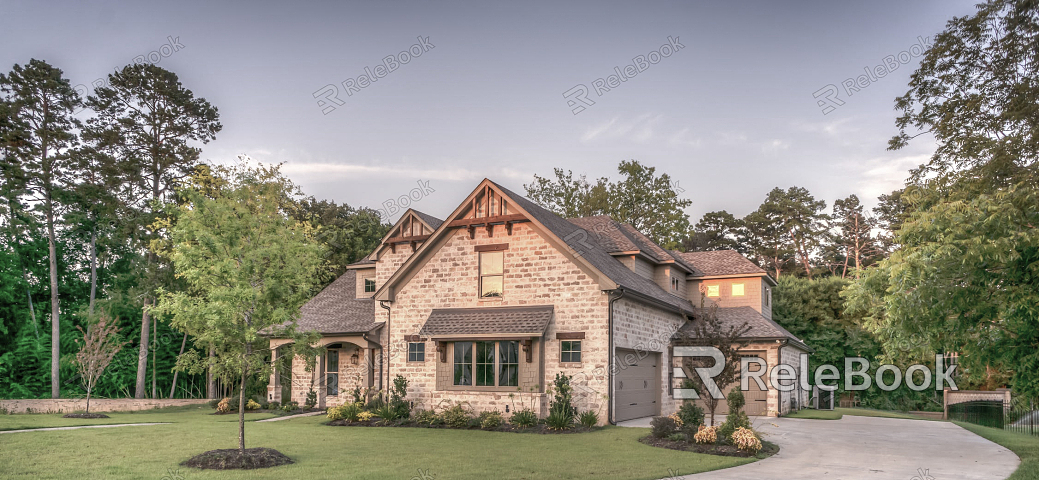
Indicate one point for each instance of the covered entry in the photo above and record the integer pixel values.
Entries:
(637, 384)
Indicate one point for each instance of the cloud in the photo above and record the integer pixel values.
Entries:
(884, 174)
(775, 146)
(641, 129)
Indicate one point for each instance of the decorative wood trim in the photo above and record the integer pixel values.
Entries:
(407, 239)
(497, 247)
(414, 338)
(569, 335)
(527, 348)
(441, 347)
(465, 222)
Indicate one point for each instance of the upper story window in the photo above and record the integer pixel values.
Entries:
(737, 290)
(369, 285)
(674, 284)
(492, 274)
(713, 291)
(768, 296)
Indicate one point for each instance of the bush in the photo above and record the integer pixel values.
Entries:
(735, 400)
(398, 396)
(375, 403)
(663, 426)
(491, 419)
(273, 406)
(706, 435)
(386, 412)
(736, 418)
(561, 409)
(456, 417)
(290, 406)
(311, 399)
(224, 406)
(252, 405)
(346, 411)
(214, 402)
(746, 440)
(426, 417)
(365, 416)
(589, 419)
(524, 418)
(677, 437)
(691, 414)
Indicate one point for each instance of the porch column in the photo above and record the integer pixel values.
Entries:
(274, 387)
(320, 373)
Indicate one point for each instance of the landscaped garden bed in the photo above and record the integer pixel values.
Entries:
(767, 448)
(85, 415)
(234, 459)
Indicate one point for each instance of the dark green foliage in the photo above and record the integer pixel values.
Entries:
(524, 418)
(347, 233)
(691, 414)
(589, 419)
(398, 398)
(491, 419)
(457, 416)
(663, 427)
(561, 410)
(736, 418)
(426, 417)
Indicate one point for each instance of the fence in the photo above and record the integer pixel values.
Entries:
(996, 414)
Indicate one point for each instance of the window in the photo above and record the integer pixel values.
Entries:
(674, 284)
(737, 290)
(712, 290)
(486, 364)
(768, 296)
(491, 274)
(332, 373)
(570, 351)
(369, 285)
(416, 352)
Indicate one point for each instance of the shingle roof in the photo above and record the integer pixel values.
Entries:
(761, 327)
(337, 310)
(586, 245)
(430, 220)
(523, 320)
(363, 261)
(720, 262)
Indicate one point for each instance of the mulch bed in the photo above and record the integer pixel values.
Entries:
(767, 448)
(540, 429)
(232, 459)
(84, 415)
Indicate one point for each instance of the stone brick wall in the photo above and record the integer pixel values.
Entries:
(536, 273)
(641, 327)
(68, 405)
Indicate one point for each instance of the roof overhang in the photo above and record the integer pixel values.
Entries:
(768, 278)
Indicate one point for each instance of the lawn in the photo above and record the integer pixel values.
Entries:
(837, 413)
(1024, 446)
(171, 414)
(332, 452)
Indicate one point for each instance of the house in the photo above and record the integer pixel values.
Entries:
(490, 304)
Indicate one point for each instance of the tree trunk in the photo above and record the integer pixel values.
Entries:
(183, 343)
(88, 400)
(241, 414)
(142, 354)
(210, 380)
(55, 324)
(155, 349)
(93, 273)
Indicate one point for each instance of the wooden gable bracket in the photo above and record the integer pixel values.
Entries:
(442, 350)
(508, 227)
(472, 232)
(490, 229)
(393, 247)
(528, 349)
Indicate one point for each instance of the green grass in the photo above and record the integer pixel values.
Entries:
(171, 414)
(837, 413)
(1026, 447)
(336, 452)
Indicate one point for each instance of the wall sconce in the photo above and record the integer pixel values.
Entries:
(355, 358)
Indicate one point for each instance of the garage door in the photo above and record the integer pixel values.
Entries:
(756, 398)
(637, 389)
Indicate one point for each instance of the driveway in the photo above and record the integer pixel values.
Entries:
(872, 448)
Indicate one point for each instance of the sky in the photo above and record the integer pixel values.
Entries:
(743, 96)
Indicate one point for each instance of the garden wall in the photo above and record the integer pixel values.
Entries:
(67, 405)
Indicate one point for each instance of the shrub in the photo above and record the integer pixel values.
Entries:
(691, 414)
(224, 406)
(214, 402)
(706, 435)
(336, 413)
(365, 416)
(311, 399)
(397, 397)
(561, 410)
(589, 419)
(375, 403)
(456, 417)
(290, 406)
(273, 405)
(386, 412)
(746, 440)
(252, 405)
(677, 437)
(426, 417)
(524, 418)
(346, 411)
(491, 419)
(733, 422)
(678, 420)
(663, 426)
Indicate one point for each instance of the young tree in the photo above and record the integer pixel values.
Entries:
(100, 344)
(248, 266)
(710, 331)
(150, 121)
(42, 104)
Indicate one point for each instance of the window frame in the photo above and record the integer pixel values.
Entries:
(477, 368)
(366, 283)
(563, 351)
(331, 388)
(717, 290)
(482, 276)
(416, 351)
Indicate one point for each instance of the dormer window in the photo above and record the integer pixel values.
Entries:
(369, 285)
(674, 284)
(492, 274)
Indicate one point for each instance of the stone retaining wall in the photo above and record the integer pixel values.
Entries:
(66, 405)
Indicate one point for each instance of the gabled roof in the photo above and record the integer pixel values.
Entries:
(432, 222)
(761, 327)
(618, 238)
(721, 263)
(578, 242)
(522, 320)
(338, 310)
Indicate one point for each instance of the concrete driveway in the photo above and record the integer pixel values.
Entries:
(872, 448)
